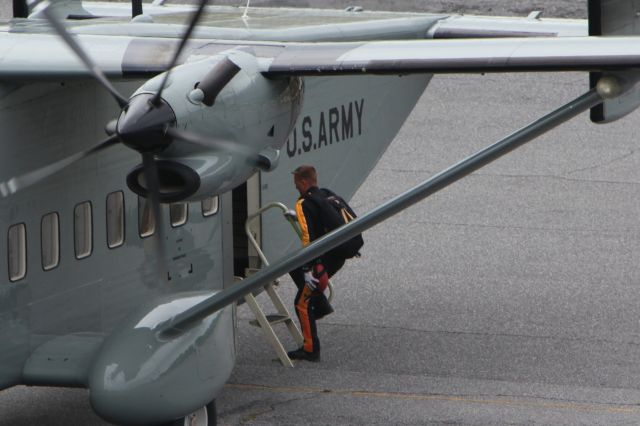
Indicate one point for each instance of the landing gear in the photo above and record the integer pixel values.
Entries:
(206, 416)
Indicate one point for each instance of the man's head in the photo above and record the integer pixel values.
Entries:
(304, 177)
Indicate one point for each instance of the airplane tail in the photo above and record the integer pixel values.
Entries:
(615, 18)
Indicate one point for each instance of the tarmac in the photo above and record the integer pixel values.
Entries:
(509, 298)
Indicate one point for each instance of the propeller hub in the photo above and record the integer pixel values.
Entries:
(143, 123)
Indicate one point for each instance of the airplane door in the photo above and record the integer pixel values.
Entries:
(246, 200)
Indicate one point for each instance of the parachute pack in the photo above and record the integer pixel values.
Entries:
(335, 213)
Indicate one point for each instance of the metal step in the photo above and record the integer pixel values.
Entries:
(266, 322)
(272, 319)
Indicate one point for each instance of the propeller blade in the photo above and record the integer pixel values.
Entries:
(18, 183)
(185, 38)
(153, 186)
(82, 55)
(213, 83)
(221, 145)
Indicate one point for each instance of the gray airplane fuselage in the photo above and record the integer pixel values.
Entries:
(53, 323)
(82, 290)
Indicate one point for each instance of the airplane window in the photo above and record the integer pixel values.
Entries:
(146, 221)
(83, 230)
(179, 214)
(115, 219)
(50, 241)
(210, 206)
(17, 250)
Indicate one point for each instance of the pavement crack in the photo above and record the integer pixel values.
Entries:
(526, 228)
(484, 334)
(569, 401)
(607, 163)
(255, 411)
(530, 176)
(498, 399)
(554, 177)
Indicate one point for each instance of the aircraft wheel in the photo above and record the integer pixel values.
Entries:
(206, 416)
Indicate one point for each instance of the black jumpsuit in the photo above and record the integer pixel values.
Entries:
(310, 220)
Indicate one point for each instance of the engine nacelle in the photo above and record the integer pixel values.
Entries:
(141, 377)
(248, 118)
(199, 176)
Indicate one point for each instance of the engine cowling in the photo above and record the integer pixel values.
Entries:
(250, 112)
(142, 377)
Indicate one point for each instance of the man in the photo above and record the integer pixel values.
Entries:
(311, 279)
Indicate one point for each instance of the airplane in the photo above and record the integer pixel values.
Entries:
(115, 115)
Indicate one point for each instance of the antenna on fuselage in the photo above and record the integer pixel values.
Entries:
(245, 15)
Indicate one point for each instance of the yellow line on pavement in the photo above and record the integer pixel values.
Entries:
(505, 402)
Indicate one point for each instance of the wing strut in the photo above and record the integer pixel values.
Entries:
(390, 208)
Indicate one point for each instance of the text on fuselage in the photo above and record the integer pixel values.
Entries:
(336, 124)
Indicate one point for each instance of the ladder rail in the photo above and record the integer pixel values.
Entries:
(251, 217)
(268, 331)
(262, 320)
(289, 216)
(265, 322)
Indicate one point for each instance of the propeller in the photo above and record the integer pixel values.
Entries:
(145, 123)
(153, 185)
(183, 42)
(221, 145)
(17, 183)
(213, 83)
(80, 53)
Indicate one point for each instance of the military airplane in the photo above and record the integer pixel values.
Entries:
(134, 144)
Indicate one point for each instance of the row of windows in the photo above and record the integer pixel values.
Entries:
(83, 230)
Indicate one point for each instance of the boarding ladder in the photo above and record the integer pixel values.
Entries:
(282, 315)
(266, 322)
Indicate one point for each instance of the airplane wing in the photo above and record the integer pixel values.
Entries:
(459, 56)
(305, 43)
(122, 57)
